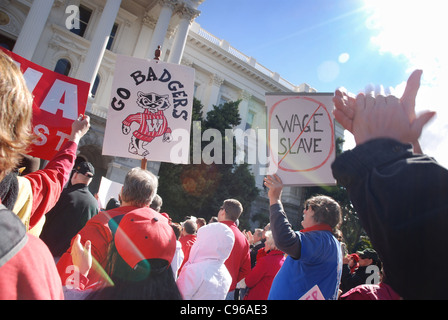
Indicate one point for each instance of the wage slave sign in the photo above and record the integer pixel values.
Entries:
(301, 137)
(149, 115)
(58, 101)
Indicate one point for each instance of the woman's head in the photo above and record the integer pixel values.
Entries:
(16, 103)
(322, 210)
(269, 243)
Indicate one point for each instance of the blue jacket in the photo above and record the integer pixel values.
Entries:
(318, 260)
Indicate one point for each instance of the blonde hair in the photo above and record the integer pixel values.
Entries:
(270, 240)
(16, 103)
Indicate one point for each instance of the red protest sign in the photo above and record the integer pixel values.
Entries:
(58, 101)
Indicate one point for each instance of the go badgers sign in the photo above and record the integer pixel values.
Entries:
(149, 115)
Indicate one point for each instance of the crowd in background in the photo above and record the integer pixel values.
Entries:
(55, 243)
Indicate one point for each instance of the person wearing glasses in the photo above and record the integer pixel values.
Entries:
(314, 253)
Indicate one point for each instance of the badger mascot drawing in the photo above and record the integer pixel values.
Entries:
(152, 122)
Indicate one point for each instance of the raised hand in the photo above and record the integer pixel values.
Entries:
(275, 185)
(368, 117)
(80, 127)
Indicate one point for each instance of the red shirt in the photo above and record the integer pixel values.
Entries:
(238, 262)
(187, 242)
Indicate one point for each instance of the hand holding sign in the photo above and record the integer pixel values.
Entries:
(368, 117)
(275, 186)
(79, 128)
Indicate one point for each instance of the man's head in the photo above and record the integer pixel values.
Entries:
(189, 227)
(139, 187)
(16, 111)
(230, 210)
(156, 203)
(368, 257)
(258, 235)
(84, 173)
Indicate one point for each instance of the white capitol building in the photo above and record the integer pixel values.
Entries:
(38, 31)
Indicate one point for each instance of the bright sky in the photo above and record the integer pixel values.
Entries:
(350, 43)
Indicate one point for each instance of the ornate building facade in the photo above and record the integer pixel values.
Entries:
(82, 38)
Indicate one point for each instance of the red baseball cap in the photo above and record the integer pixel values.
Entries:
(145, 234)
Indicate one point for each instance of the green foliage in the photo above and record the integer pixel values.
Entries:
(199, 189)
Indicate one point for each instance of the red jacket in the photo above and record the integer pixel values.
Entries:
(187, 242)
(30, 274)
(238, 262)
(98, 231)
(40, 190)
(259, 279)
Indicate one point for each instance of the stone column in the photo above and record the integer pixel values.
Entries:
(92, 62)
(244, 108)
(161, 27)
(33, 27)
(144, 36)
(211, 98)
(187, 15)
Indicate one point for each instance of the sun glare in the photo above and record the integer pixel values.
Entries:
(416, 30)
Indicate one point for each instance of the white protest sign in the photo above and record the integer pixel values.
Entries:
(313, 294)
(301, 132)
(108, 189)
(150, 111)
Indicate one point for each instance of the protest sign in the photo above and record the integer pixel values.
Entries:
(108, 189)
(301, 133)
(149, 115)
(313, 294)
(58, 101)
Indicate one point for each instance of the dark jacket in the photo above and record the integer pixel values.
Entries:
(75, 207)
(402, 203)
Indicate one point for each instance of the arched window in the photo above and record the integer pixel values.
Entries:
(63, 67)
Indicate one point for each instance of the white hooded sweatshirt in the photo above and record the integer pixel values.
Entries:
(204, 276)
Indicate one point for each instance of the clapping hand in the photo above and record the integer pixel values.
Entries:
(368, 117)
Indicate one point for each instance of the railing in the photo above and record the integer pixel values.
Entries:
(238, 54)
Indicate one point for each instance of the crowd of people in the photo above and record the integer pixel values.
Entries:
(55, 243)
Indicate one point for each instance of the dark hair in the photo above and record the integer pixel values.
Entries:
(151, 279)
(190, 226)
(177, 229)
(112, 204)
(233, 209)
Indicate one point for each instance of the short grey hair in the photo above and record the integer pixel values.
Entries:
(140, 187)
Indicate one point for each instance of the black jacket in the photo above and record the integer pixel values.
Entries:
(402, 202)
(73, 209)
